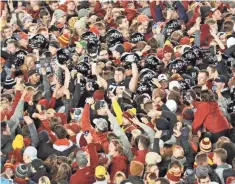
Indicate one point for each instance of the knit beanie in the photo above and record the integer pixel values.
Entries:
(64, 40)
(136, 168)
(9, 83)
(25, 18)
(21, 171)
(152, 158)
(174, 173)
(98, 95)
(18, 142)
(171, 105)
(205, 145)
(59, 13)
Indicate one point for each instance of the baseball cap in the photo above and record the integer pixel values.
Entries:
(100, 172)
(31, 152)
(221, 78)
(162, 77)
(32, 72)
(101, 124)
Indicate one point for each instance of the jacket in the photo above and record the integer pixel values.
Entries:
(134, 180)
(119, 163)
(209, 115)
(13, 123)
(140, 156)
(97, 136)
(220, 169)
(86, 175)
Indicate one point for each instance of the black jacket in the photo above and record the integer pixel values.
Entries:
(134, 180)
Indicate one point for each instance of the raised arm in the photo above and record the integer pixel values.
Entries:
(134, 78)
(101, 81)
(32, 131)
(122, 136)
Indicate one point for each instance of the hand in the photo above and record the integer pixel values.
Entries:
(28, 120)
(112, 96)
(154, 113)
(88, 138)
(135, 121)
(177, 133)
(10, 4)
(39, 108)
(79, 76)
(144, 120)
(156, 82)
(90, 100)
(73, 73)
(158, 134)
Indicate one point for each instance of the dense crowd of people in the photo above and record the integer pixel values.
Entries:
(117, 92)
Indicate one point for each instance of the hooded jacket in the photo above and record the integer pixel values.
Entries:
(220, 169)
(86, 125)
(209, 115)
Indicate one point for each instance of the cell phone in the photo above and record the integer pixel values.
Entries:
(154, 26)
(102, 103)
(214, 87)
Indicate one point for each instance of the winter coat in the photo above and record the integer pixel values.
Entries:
(86, 175)
(97, 136)
(220, 169)
(209, 115)
(119, 163)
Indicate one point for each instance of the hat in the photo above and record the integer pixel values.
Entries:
(21, 171)
(83, 13)
(221, 78)
(142, 18)
(174, 173)
(22, 35)
(100, 172)
(54, 44)
(205, 145)
(44, 102)
(162, 124)
(185, 40)
(38, 165)
(31, 152)
(26, 18)
(80, 140)
(173, 84)
(101, 124)
(171, 105)
(81, 23)
(136, 168)
(59, 13)
(18, 142)
(9, 83)
(53, 28)
(98, 95)
(81, 159)
(81, 43)
(118, 48)
(167, 49)
(64, 39)
(32, 72)
(162, 77)
(128, 115)
(152, 158)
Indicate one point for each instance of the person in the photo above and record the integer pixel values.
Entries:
(219, 158)
(212, 114)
